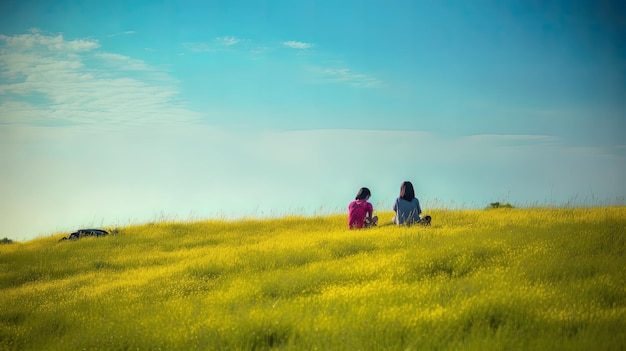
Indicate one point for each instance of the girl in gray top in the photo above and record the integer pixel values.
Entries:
(407, 207)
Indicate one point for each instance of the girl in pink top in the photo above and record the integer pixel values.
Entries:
(360, 211)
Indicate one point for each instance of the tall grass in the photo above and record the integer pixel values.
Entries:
(534, 279)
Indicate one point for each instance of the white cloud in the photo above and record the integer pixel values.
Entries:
(297, 44)
(56, 43)
(345, 75)
(52, 81)
(258, 50)
(336, 74)
(219, 44)
(123, 62)
(227, 40)
(128, 32)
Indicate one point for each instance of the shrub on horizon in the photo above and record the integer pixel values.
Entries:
(499, 205)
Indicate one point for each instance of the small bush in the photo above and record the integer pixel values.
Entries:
(499, 205)
(6, 241)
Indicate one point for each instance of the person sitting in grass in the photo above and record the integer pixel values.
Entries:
(407, 207)
(360, 211)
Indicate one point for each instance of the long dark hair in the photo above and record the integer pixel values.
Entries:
(406, 191)
(362, 194)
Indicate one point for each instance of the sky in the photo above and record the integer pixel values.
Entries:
(126, 112)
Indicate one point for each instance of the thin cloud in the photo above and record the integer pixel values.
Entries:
(297, 45)
(512, 139)
(128, 32)
(47, 80)
(123, 62)
(227, 41)
(347, 76)
(259, 50)
(218, 44)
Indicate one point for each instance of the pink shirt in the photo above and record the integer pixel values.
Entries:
(357, 211)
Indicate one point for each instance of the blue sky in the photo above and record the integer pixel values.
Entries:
(123, 112)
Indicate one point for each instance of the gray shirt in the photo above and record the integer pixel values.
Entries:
(406, 211)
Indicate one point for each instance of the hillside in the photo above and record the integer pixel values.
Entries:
(533, 279)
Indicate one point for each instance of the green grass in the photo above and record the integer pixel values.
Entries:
(495, 279)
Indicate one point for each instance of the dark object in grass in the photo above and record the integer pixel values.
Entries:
(425, 221)
(86, 232)
(370, 223)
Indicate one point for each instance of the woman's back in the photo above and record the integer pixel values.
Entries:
(406, 211)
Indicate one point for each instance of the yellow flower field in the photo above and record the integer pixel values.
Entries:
(503, 279)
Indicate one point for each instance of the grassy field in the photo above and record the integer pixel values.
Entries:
(497, 279)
